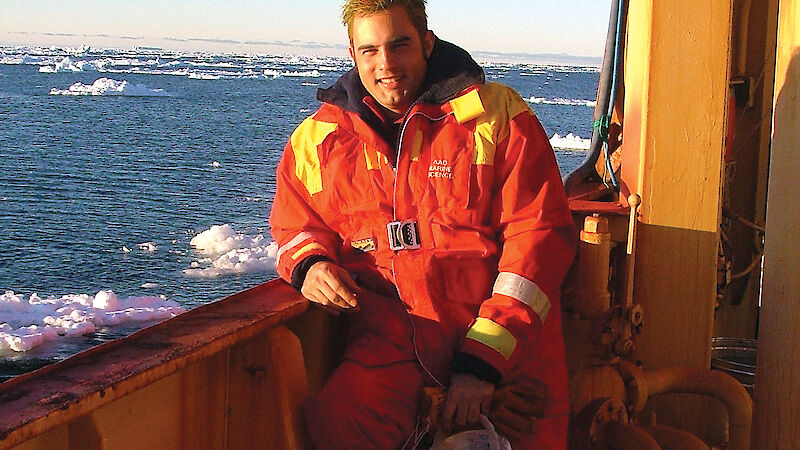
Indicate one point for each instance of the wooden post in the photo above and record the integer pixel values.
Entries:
(777, 387)
(677, 65)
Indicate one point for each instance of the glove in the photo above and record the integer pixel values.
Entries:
(516, 404)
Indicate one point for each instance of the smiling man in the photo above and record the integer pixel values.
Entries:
(427, 206)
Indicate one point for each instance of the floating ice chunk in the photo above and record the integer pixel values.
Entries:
(215, 164)
(25, 338)
(562, 101)
(108, 86)
(570, 142)
(106, 300)
(302, 74)
(271, 73)
(231, 253)
(24, 59)
(28, 322)
(67, 65)
(125, 249)
(148, 247)
(150, 285)
(203, 76)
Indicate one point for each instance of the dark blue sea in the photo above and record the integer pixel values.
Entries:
(111, 162)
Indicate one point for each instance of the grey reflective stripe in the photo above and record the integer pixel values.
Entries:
(302, 236)
(524, 290)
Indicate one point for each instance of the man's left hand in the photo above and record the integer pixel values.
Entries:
(467, 398)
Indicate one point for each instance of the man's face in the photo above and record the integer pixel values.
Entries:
(390, 56)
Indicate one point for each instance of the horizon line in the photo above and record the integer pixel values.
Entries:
(297, 43)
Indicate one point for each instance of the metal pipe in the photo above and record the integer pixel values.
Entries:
(712, 383)
(594, 298)
(619, 436)
(669, 437)
(587, 167)
(742, 31)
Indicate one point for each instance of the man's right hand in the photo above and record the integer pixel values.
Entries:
(516, 405)
(330, 286)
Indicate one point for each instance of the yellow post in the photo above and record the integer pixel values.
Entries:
(776, 423)
(677, 65)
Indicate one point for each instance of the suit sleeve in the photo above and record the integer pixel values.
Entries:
(297, 226)
(538, 243)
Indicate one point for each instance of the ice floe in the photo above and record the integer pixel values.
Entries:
(570, 142)
(27, 322)
(108, 86)
(68, 65)
(147, 247)
(561, 101)
(227, 252)
(203, 76)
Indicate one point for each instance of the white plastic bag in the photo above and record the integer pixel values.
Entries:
(485, 439)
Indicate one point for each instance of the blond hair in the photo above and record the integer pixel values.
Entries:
(415, 9)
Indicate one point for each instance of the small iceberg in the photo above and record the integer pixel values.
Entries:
(108, 86)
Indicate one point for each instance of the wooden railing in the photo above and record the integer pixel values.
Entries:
(229, 374)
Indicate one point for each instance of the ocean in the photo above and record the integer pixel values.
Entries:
(118, 164)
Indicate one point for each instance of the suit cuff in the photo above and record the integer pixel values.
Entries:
(301, 269)
(471, 364)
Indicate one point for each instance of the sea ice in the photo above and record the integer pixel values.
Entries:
(203, 76)
(302, 74)
(562, 101)
(28, 322)
(570, 142)
(67, 65)
(147, 247)
(227, 252)
(108, 86)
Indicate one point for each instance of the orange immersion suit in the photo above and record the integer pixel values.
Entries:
(458, 231)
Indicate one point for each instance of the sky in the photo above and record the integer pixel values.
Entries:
(575, 27)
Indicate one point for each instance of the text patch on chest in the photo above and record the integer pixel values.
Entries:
(440, 168)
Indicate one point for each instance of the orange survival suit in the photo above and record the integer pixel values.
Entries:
(455, 223)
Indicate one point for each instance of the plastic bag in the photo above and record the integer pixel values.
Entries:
(485, 439)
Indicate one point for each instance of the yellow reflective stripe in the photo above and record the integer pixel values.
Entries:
(494, 335)
(416, 147)
(501, 104)
(468, 106)
(485, 145)
(307, 248)
(524, 290)
(305, 140)
(374, 158)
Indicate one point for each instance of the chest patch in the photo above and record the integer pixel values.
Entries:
(440, 168)
(365, 245)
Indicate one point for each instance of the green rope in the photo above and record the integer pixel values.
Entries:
(602, 125)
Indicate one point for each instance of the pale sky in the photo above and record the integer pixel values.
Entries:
(576, 27)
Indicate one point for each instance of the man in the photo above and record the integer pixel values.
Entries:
(427, 205)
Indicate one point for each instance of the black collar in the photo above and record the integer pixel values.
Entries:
(450, 70)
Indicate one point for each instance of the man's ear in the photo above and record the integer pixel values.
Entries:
(427, 43)
(352, 52)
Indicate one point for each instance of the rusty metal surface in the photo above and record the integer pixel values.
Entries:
(591, 206)
(55, 394)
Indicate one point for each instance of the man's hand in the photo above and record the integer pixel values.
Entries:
(331, 287)
(516, 405)
(467, 398)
